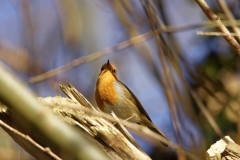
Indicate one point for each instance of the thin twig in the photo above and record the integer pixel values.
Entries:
(29, 139)
(167, 85)
(207, 24)
(230, 16)
(94, 56)
(216, 34)
(209, 13)
(207, 115)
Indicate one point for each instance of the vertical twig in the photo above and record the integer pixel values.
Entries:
(207, 115)
(167, 85)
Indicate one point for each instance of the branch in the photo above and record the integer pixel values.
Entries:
(211, 16)
(216, 34)
(206, 114)
(100, 131)
(230, 16)
(11, 131)
(94, 56)
(145, 132)
(167, 85)
(225, 148)
(26, 110)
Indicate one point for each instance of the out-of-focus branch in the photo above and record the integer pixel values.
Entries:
(209, 13)
(100, 131)
(29, 139)
(124, 18)
(230, 16)
(23, 104)
(15, 57)
(167, 78)
(167, 88)
(123, 45)
(71, 21)
(91, 57)
(207, 115)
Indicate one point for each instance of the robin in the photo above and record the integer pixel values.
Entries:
(113, 96)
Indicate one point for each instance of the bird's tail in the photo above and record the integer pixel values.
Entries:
(153, 128)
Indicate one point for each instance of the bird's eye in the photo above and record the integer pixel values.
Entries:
(114, 71)
(101, 69)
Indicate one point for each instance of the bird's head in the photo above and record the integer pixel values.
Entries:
(108, 67)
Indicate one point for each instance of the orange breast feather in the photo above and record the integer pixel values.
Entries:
(105, 91)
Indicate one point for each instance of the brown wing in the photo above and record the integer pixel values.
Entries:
(149, 123)
(136, 101)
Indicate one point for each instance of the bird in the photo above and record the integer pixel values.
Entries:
(112, 95)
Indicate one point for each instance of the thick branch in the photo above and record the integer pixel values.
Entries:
(27, 111)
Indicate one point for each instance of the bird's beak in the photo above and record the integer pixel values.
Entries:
(108, 62)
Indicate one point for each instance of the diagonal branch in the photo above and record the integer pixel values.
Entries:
(29, 139)
(211, 16)
(133, 41)
(230, 16)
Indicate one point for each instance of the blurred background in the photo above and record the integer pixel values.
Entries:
(200, 73)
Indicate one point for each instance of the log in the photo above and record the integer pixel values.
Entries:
(224, 149)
